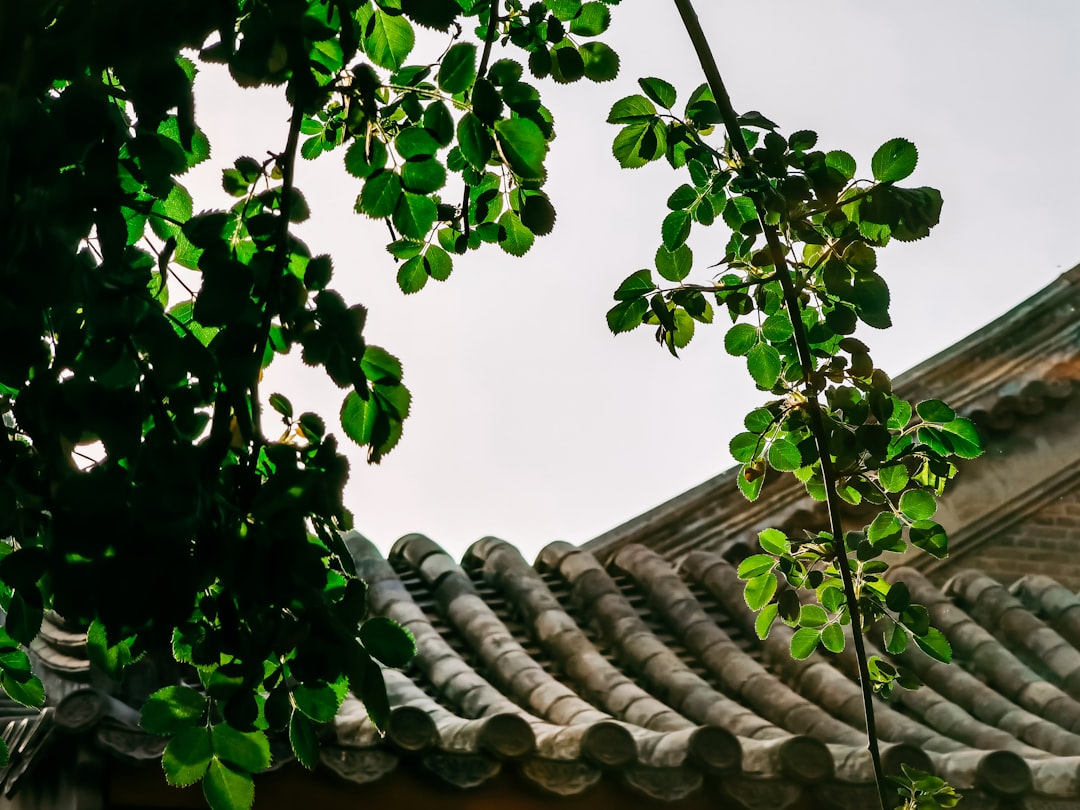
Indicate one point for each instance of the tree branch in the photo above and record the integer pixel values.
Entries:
(806, 360)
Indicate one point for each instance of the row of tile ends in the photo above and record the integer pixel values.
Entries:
(773, 733)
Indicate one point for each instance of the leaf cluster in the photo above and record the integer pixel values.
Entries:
(797, 277)
(143, 500)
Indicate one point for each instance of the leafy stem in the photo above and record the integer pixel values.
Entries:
(806, 360)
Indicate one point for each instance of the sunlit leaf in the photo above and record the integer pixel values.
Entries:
(458, 68)
(601, 63)
(894, 160)
(226, 788)
(804, 641)
(172, 709)
(388, 39)
(759, 590)
(187, 756)
(934, 644)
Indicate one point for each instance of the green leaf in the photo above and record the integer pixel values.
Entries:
(380, 195)
(860, 257)
(458, 69)
(674, 265)
(774, 541)
(885, 532)
(842, 162)
(964, 437)
(440, 123)
(423, 176)
(635, 285)
(934, 410)
(750, 482)
(475, 141)
(319, 702)
(304, 742)
(564, 10)
(388, 39)
(514, 238)
(894, 160)
(415, 142)
(870, 295)
(740, 339)
(901, 414)
(359, 162)
(812, 616)
(380, 366)
(246, 750)
(831, 595)
(438, 263)
(893, 478)
(898, 598)
(369, 685)
(172, 709)
(759, 590)
(226, 788)
(896, 640)
(414, 215)
(412, 276)
(636, 145)
(777, 327)
(764, 621)
(404, 248)
(601, 62)
(357, 417)
(682, 197)
(110, 659)
(523, 145)
(759, 420)
(567, 64)
(387, 641)
(916, 618)
(592, 20)
(802, 140)
(187, 756)
(627, 315)
(632, 109)
(784, 456)
(930, 537)
(832, 638)
(675, 229)
(658, 90)
(281, 404)
(739, 211)
(537, 213)
(744, 446)
(22, 686)
(804, 641)
(934, 644)
(683, 332)
(755, 565)
(318, 272)
(763, 362)
(918, 504)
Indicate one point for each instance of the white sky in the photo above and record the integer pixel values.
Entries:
(530, 420)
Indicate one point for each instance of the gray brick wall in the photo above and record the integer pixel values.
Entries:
(1046, 541)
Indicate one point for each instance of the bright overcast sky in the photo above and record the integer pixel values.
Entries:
(530, 420)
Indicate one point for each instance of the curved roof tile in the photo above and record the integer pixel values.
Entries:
(569, 672)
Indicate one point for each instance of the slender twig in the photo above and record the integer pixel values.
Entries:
(489, 39)
(806, 359)
(287, 163)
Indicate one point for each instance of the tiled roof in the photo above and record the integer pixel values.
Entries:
(569, 672)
